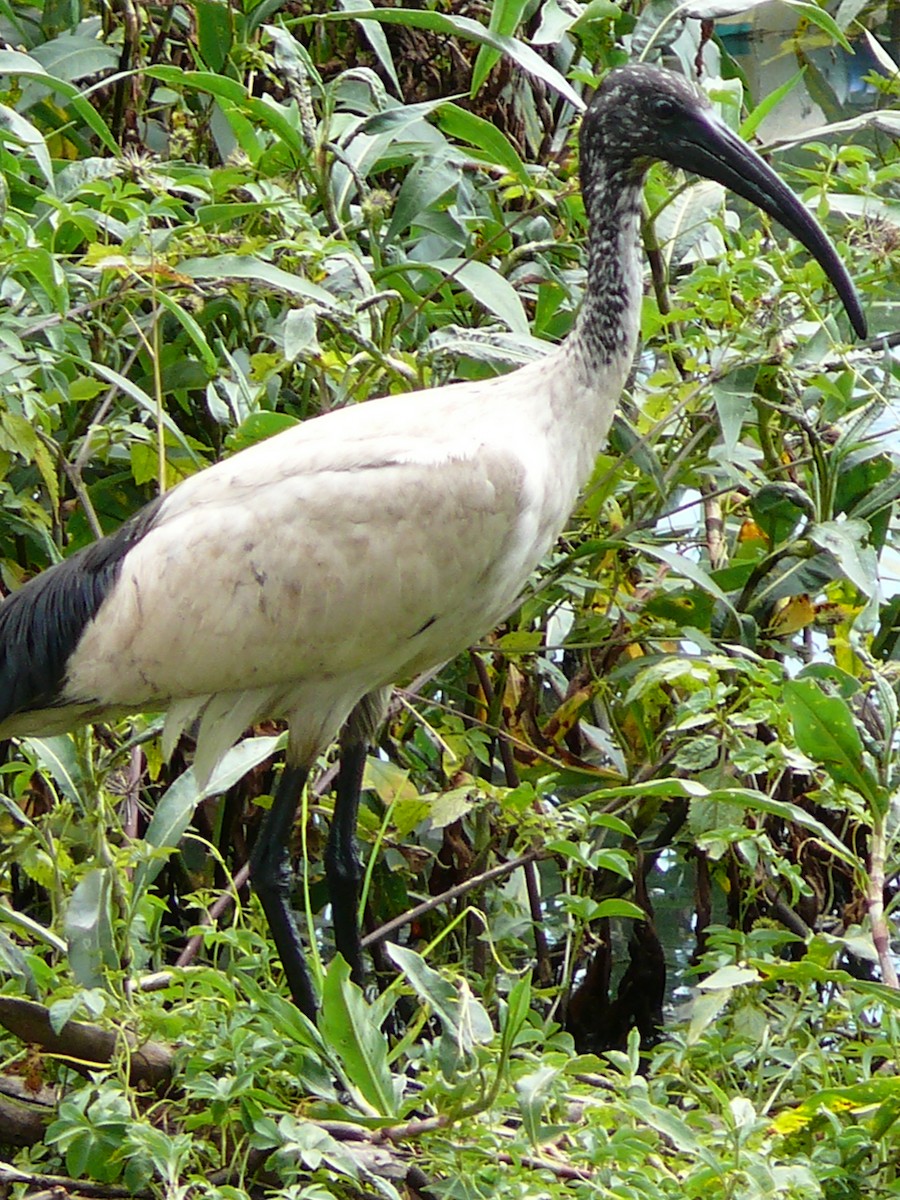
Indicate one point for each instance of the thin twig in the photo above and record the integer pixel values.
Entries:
(468, 885)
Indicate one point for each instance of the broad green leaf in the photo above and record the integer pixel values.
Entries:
(515, 1012)
(88, 928)
(59, 758)
(464, 1020)
(31, 929)
(734, 397)
(818, 16)
(192, 329)
(12, 62)
(74, 56)
(14, 963)
(744, 798)
(778, 509)
(489, 288)
(262, 109)
(355, 1038)
(398, 118)
(140, 397)
(683, 226)
(586, 909)
(425, 184)
(214, 32)
(667, 1122)
(826, 733)
(682, 565)
(858, 1099)
(30, 137)
(767, 104)
(729, 977)
(532, 1092)
(490, 144)
(791, 576)
(844, 540)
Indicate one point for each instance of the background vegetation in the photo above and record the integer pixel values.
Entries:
(681, 752)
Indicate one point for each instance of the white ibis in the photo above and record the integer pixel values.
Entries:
(303, 576)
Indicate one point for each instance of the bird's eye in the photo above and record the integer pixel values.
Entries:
(664, 108)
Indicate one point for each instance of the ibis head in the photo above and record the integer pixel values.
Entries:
(642, 114)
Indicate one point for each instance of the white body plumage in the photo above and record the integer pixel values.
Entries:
(342, 554)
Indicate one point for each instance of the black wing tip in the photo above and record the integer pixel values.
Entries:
(42, 623)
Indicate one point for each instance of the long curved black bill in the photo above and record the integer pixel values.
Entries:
(707, 147)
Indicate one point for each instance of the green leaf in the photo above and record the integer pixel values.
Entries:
(174, 811)
(374, 35)
(505, 18)
(826, 733)
(30, 137)
(265, 111)
(12, 62)
(532, 1092)
(73, 56)
(490, 144)
(684, 566)
(214, 32)
(59, 758)
(192, 329)
(464, 27)
(818, 16)
(465, 1023)
(88, 928)
(844, 540)
(140, 397)
(488, 287)
(768, 104)
(247, 266)
(515, 1012)
(778, 508)
(355, 1038)
(729, 977)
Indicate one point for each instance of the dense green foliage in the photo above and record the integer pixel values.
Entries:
(222, 218)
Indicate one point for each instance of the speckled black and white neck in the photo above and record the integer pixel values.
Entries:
(615, 154)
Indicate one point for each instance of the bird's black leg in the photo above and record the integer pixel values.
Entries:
(343, 869)
(270, 871)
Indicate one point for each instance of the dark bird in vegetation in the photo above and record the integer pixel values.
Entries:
(300, 578)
